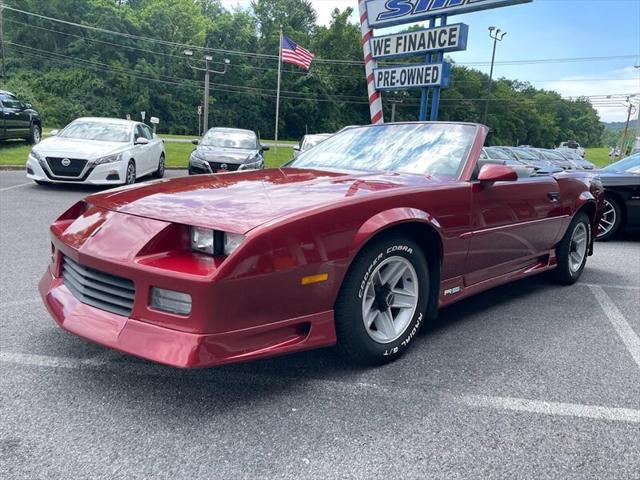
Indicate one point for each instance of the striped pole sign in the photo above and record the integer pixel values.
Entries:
(375, 100)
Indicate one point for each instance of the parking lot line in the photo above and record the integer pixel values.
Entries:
(620, 324)
(4, 189)
(554, 408)
(623, 287)
(102, 362)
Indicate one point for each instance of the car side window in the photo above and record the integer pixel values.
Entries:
(138, 133)
(146, 131)
(10, 101)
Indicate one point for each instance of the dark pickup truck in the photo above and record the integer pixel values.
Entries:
(18, 119)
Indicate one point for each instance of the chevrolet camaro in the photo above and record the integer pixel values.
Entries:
(357, 242)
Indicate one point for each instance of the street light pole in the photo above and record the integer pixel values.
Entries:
(497, 37)
(207, 73)
(636, 148)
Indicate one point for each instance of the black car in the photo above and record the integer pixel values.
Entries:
(621, 182)
(227, 150)
(18, 119)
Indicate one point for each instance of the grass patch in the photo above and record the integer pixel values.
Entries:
(598, 156)
(15, 152)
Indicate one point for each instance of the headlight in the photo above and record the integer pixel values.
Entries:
(38, 156)
(202, 240)
(170, 301)
(108, 159)
(231, 242)
(257, 163)
(214, 242)
(194, 156)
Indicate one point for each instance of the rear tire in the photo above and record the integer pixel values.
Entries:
(159, 173)
(573, 250)
(35, 135)
(611, 220)
(382, 301)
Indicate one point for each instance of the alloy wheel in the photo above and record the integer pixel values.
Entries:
(608, 220)
(390, 299)
(578, 247)
(131, 174)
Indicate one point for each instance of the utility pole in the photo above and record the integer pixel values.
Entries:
(4, 71)
(497, 37)
(626, 128)
(207, 72)
(636, 147)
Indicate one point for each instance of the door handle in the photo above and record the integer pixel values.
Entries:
(554, 196)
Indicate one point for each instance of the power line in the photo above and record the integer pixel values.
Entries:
(319, 60)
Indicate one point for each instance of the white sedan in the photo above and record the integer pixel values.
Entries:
(97, 151)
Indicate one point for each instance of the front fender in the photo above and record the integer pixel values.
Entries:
(390, 218)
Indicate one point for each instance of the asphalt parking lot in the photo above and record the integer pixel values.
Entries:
(526, 381)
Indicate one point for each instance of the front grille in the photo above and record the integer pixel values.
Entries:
(74, 169)
(217, 166)
(98, 289)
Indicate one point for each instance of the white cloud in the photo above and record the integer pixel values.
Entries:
(615, 82)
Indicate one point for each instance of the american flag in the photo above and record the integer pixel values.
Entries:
(294, 53)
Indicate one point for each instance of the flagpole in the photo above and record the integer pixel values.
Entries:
(278, 91)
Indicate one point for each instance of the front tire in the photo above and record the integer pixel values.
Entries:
(572, 251)
(35, 135)
(130, 175)
(611, 219)
(159, 173)
(383, 300)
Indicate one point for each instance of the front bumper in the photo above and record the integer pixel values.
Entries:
(198, 167)
(177, 348)
(105, 174)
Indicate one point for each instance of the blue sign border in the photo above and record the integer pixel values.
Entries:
(462, 44)
(445, 76)
(466, 7)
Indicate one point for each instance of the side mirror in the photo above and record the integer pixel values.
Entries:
(54, 132)
(141, 141)
(296, 148)
(497, 173)
(264, 147)
(28, 105)
(195, 142)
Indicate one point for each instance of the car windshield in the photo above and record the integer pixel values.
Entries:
(428, 148)
(229, 139)
(311, 140)
(630, 165)
(496, 154)
(524, 154)
(101, 131)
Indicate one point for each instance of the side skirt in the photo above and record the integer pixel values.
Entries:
(454, 289)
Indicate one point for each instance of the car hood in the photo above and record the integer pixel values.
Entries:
(77, 148)
(226, 155)
(239, 202)
(612, 179)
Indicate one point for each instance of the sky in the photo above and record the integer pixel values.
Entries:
(548, 29)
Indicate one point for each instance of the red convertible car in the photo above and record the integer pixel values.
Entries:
(357, 242)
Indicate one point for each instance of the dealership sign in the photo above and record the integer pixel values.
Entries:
(449, 38)
(384, 13)
(412, 76)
